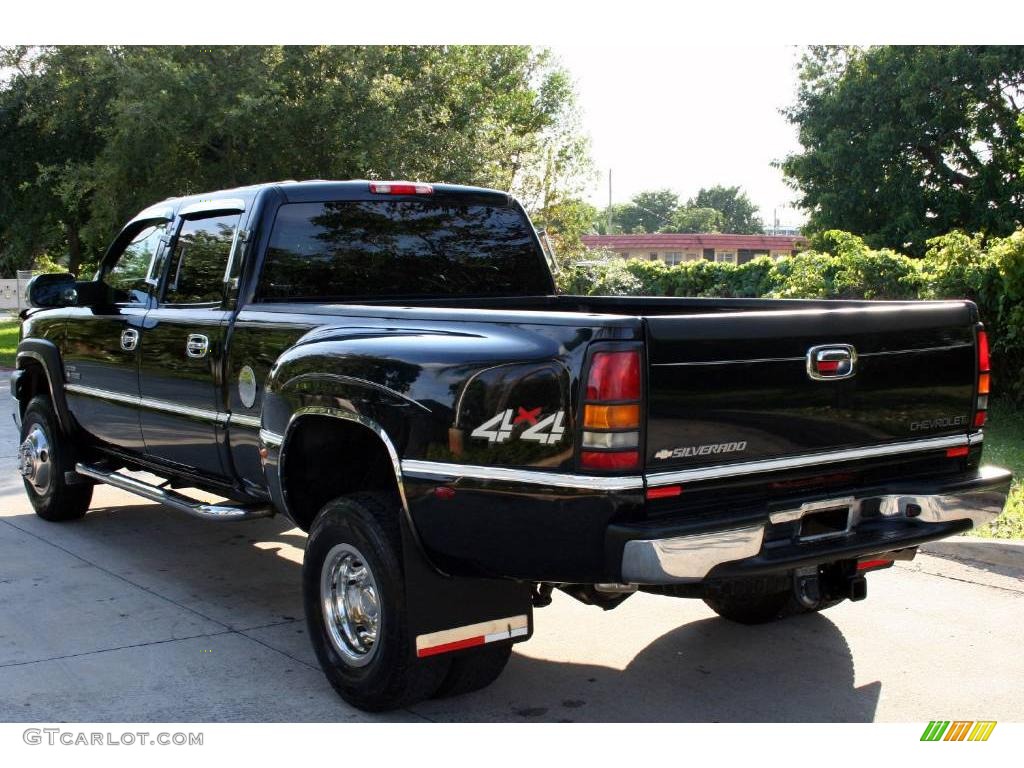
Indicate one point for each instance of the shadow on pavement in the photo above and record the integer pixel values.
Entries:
(248, 575)
(704, 671)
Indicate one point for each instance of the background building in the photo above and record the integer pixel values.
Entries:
(677, 248)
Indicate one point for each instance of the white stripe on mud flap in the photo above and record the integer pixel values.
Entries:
(505, 635)
(473, 634)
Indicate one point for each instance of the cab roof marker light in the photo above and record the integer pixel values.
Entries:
(400, 188)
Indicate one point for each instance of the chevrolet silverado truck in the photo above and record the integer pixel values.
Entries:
(388, 365)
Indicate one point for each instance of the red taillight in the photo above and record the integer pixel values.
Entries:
(400, 188)
(984, 363)
(614, 376)
(611, 412)
(958, 452)
(610, 460)
(984, 366)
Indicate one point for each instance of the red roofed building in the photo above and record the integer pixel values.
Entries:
(677, 248)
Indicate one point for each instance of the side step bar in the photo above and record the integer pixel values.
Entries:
(174, 500)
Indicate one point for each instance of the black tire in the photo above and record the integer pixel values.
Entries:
(753, 608)
(388, 675)
(53, 500)
(474, 669)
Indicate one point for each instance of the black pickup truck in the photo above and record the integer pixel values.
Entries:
(388, 364)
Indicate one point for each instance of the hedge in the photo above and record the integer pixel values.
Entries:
(956, 266)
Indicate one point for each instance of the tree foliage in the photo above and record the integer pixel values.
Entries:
(904, 143)
(696, 220)
(647, 211)
(739, 214)
(93, 134)
(713, 209)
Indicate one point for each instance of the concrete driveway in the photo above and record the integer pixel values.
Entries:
(140, 613)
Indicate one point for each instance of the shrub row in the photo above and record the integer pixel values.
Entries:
(956, 266)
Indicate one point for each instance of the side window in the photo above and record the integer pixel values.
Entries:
(132, 276)
(196, 274)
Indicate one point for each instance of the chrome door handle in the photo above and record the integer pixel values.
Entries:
(197, 345)
(129, 339)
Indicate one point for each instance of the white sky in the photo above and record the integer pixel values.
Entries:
(686, 117)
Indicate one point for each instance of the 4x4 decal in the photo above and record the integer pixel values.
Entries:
(546, 430)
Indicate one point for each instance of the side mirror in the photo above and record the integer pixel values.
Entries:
(52, 290)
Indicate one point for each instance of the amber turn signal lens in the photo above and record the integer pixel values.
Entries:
(983, 384)
(611, 416)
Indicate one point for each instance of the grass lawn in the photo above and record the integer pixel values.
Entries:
(8, 342)
(1004, 447)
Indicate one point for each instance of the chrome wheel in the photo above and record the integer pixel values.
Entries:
(35, 461)
(348, 594)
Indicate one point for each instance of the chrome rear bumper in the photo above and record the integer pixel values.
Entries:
(898, 520)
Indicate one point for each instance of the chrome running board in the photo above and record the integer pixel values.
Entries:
(174, 500)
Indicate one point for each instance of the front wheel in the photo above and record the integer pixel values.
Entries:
(354, 595)
(45, 457)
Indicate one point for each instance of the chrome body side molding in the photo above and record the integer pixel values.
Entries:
(436, 470)
(271, 439)
(805, 460)
(149, 403)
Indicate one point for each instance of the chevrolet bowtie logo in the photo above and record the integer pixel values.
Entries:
(831, 361)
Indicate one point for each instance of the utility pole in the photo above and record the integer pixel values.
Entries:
(608, 224)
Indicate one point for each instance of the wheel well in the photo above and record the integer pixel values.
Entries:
(33, 382)
(326, 457)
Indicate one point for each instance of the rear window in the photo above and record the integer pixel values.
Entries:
(401, 248)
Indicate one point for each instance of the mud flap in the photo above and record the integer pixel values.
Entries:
(449, 614)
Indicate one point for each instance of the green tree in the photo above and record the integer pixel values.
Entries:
(689, 219)
(607, 220)
(647, 211)
(51, 109)
(100, 132)
(739, 214)
(566, 222)
(904, 143)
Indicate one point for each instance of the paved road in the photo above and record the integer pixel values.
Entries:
(140, 613)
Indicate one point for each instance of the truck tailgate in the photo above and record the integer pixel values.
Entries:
(736, 387)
